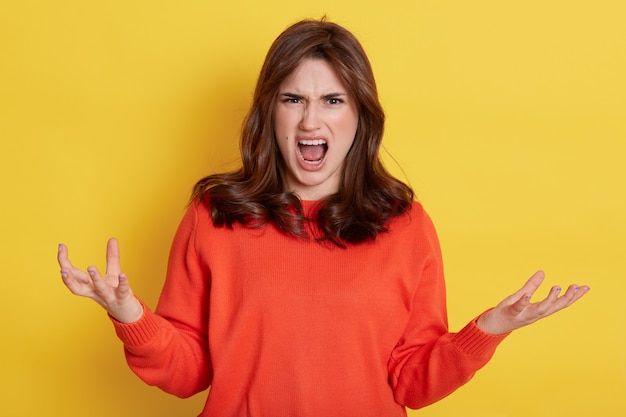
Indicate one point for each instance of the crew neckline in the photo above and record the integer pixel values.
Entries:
(309, 207)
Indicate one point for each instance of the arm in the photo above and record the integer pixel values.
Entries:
(429, 362)
(168, 349)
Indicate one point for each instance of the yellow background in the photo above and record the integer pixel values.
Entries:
(508, 118)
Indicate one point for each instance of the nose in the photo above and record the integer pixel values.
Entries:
(310, 118)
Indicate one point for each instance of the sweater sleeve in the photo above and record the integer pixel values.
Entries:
(429, 362)
(169, 348)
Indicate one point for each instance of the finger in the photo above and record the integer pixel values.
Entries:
(71, 272)
(113, 258)
(554, 293)
(530, 287)
(62, 257)
(71, 283)
(68, 272)
(520, 305)
(551, 303)
(123, 288)
(129, 309)
(584, 290)
(96, 279)
(573, 293)
(78, 282)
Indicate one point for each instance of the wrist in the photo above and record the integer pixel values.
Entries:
(489, 324)
(129, 315)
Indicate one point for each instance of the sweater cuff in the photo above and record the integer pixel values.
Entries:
(475, 342)
(138, 332)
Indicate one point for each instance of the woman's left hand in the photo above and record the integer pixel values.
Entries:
(517, 311)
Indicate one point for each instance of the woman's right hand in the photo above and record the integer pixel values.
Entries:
(111, 291)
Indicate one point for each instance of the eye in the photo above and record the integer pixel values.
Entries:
(334, 99)
(291, 99)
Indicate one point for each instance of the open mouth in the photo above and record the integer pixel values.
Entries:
(312, 151)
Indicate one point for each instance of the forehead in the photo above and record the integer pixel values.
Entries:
(314, 75)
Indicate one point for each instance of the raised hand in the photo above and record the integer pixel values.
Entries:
(517, 311)
(112, 291)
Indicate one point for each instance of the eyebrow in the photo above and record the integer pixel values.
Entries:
(325, 96)
(334, 95)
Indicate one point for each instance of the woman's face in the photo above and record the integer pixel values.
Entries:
(315, 122)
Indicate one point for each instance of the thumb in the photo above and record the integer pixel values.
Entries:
(517, 307)
(123, 287)
(129, 308)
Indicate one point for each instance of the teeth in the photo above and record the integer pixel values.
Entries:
(312, 142)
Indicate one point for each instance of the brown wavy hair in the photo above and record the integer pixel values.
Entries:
(254, 195)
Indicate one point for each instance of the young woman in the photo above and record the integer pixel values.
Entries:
(308, 282)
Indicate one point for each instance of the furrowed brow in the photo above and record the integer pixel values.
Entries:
(334, 95)
(291, 95)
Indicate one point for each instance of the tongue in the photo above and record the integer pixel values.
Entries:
(312, 152)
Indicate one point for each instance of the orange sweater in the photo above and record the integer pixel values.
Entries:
(278, 326)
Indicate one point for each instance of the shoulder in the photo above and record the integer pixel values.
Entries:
(198, 213)
(417, 209)
(415, 223)
(416, 215)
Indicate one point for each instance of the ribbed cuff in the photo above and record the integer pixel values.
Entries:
(472, 340)
(139, 332)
